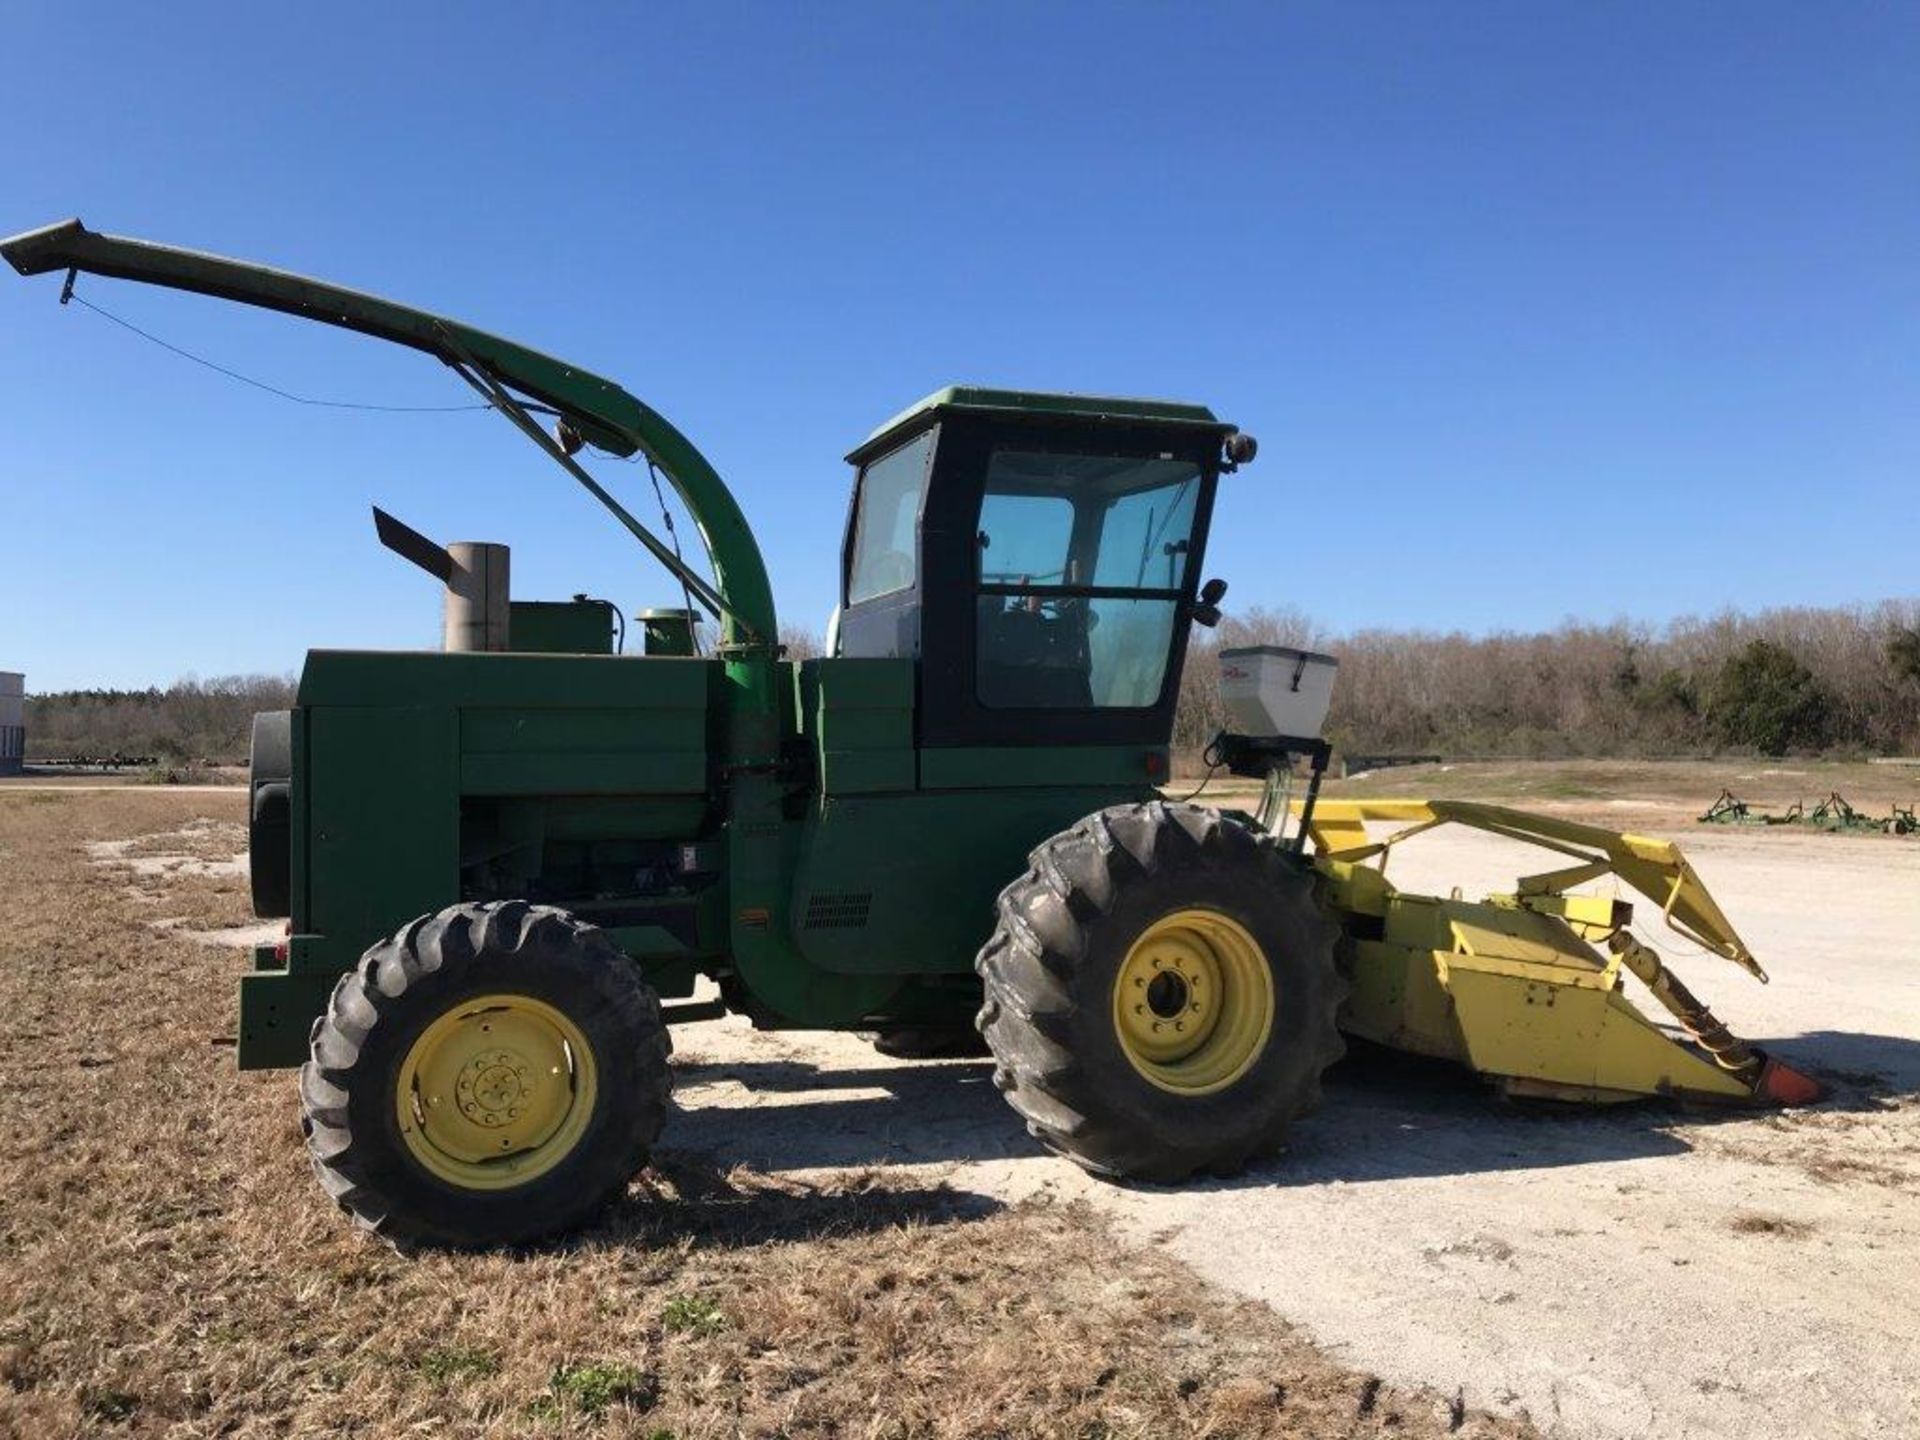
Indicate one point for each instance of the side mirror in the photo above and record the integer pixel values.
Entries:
(1239, 448)
(1206, 610)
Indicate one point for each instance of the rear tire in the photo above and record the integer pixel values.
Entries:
(1081, 938)
(527, 1020)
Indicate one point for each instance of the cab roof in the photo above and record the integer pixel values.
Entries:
(980, 398)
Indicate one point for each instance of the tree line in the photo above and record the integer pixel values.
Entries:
(1843, 680)
(192, 721)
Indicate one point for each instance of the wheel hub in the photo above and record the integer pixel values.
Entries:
(493, 1087)
(1193, 1002)
(1169, 995)
(495, 1092)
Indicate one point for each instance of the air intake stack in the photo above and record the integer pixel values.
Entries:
(477, 607)
(477, 611)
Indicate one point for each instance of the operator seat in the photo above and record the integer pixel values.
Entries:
(1029, 660)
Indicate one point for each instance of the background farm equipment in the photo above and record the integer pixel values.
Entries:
(497, 861)
(1832, 813)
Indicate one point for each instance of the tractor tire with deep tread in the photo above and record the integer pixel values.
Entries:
(379, 1012)
(1071, 922)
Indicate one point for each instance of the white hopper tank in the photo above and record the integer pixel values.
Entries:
(1274, 690)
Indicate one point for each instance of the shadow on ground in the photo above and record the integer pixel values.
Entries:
(1386, 1116)
(1864, 1072)
(685, 1195)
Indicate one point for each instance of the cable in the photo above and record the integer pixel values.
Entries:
(666, 516)
(261, 384)
(1212, 770)
(1213, 760)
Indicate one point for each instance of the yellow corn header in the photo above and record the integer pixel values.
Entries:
(1518, 986)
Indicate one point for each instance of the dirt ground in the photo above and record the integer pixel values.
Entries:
(1634, 1273)
(168, 1266)
(833, 1243)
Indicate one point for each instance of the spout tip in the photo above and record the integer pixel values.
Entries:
(1784, 1085)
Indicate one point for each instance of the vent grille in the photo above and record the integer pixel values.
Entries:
(843, 911)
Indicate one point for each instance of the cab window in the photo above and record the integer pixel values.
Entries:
(886, 524)
(1082, 563)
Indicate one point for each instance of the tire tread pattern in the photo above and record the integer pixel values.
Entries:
(1032, 1010)
(359, 1170)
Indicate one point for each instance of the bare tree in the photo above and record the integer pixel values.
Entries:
(800, 643)
(1582, 689)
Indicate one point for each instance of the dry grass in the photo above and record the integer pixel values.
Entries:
(167, 1265)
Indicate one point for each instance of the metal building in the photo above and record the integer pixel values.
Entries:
(13, 722)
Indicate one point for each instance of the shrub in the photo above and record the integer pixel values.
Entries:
(1765, 699)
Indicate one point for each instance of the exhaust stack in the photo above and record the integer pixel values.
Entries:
(477, 609)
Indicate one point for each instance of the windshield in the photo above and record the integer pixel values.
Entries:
(1082, 561)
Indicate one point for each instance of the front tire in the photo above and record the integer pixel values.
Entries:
(491, 1075)
(1161, 992)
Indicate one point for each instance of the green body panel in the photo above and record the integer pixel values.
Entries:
(905, 884)
(560, 627)
(597, 751)
(384, 843)
(507, 681)
(777, 985)
(857, 717)
(277, 1011)
(988, 768)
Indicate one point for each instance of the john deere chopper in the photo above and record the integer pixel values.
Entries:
(499, 860)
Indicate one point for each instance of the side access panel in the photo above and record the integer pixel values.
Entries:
(377, 788)
(904, 882)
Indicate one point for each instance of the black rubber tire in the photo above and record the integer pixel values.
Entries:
(1065, 928)
(931, 1042)
(402, 985)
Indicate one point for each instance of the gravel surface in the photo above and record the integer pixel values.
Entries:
(1639, 1272)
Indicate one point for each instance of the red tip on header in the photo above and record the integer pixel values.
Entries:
(1785, 1085)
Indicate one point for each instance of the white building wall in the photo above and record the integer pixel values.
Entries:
(13, 721)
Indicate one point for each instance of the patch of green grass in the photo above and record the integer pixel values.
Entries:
(457, 1362)
(693, 1315)
(1564, 788)
(595, 1388)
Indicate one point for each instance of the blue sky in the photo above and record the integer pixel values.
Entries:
(1538, 310)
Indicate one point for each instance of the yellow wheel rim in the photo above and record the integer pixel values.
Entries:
(1193, 1003)
(496, 1092)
